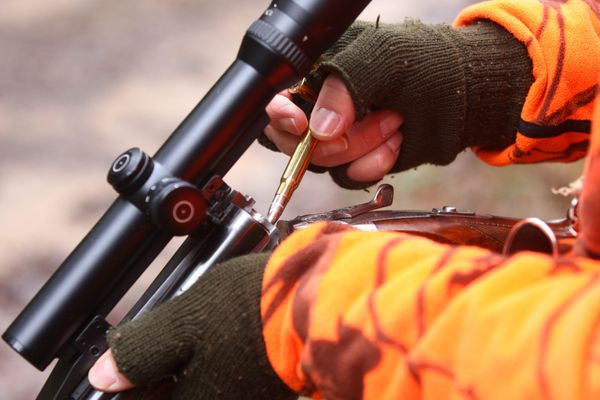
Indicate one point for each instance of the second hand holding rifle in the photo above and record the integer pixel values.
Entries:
(300, 159)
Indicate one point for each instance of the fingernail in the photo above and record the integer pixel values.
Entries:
(325, 122)
(394, 143)
(289, 125)
(332, 147)
(390, 124)
(103, 375)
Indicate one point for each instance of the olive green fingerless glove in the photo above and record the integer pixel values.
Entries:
(456, 88)
(209, 339)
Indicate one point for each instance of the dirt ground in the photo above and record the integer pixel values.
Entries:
(81, 81)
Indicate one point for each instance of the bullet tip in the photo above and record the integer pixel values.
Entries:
(276, 209)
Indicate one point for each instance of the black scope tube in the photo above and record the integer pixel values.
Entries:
(89, 282)
(277, 50)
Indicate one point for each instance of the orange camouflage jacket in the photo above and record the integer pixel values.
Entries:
(349, 314)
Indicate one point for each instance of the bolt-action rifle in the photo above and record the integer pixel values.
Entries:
(179, 191)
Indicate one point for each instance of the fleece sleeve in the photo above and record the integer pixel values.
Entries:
(563, 43)
(356, 315)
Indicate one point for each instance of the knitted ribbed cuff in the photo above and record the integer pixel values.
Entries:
(210, 337)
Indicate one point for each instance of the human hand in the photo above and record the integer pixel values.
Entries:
(371, 146)
(208, 340)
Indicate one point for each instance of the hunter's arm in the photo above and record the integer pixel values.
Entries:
(350, 314)
(514, 80)
(455, 87)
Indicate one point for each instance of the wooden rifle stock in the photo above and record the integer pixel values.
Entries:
(445, 225)
(488, 231)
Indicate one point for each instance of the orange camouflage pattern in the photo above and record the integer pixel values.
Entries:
(363, 315)
(562, 38)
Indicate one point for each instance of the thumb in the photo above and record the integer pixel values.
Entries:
(105, 375)
(333, 112)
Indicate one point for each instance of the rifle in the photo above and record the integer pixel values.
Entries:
(177, 191)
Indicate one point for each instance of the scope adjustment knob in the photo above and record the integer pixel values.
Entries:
(130, 170)
(176, 206)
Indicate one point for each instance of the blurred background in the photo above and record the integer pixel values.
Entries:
(83, 80)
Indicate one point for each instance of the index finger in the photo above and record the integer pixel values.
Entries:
(285, 115)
